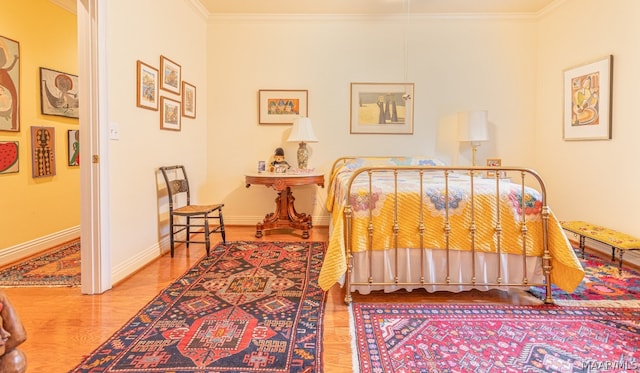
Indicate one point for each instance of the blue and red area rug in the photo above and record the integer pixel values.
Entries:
(393, 338)
(248, 307)
(602, 286)
(58, 267)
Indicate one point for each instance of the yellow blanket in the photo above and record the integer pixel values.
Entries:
(567, 273)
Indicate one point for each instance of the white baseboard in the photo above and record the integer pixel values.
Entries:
(29, 248)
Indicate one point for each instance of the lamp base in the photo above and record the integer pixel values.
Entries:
(303, 156)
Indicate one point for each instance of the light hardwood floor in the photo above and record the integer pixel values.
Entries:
(63, 325)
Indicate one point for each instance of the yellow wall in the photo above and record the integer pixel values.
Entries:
(32, 208)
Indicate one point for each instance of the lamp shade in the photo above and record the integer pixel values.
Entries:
(472, 126)
(302, 131)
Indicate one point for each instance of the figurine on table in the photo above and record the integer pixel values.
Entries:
(279, 165)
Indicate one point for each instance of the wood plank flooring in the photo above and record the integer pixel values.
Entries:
(64, 325)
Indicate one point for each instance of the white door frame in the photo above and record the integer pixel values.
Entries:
(95, 213)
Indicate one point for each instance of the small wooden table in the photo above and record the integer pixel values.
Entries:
(285, 215)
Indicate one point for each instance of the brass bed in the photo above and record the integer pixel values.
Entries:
(412, 222)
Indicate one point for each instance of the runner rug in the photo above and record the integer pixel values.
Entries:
(248, 307)
(602, 286)
(494, 338)
(58, 267)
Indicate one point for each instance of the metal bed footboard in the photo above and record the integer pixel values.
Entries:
(420, 171)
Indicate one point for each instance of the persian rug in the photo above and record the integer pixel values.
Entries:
(494, 338)
(58, 267)
(602, 286)
(248, 307)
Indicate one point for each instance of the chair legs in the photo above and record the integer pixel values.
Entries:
(206, 230)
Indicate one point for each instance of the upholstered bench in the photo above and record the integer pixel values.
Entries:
(617, 240)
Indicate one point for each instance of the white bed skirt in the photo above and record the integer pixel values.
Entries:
(383, 270)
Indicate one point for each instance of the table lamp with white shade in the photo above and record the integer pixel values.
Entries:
(302, 133)
(472, 127)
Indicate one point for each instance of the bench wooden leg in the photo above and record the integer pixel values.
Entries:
(620, 253)
(582, 245)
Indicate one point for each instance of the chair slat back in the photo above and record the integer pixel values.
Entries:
(176, 179)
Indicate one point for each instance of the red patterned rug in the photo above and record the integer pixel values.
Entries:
(58, 267)
(495, 338)
(602, 286)
(248, 307)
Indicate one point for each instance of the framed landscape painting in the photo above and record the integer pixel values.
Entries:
(188, 100)
(169, 114)
(382, 108)
(170, 75)
(588, 100)
(147, 86)
(282, 106)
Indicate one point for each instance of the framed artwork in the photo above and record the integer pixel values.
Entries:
(188, 100)
(9, 85)
(73, 147)
(282, 106)
(170, 75)
(588, 101)
(382, 108)
(43, 149)
(493, 162)
(147, 86)
(9, 157)
(169, 114)
(58, 93)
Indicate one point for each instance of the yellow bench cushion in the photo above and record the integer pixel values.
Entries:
(602, 234)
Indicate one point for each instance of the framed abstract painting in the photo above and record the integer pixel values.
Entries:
(9, 85)
(382, 108)
(59, 93)
(43, 147)
(282, 106)
(588, 100)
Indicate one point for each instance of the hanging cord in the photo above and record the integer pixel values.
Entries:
(407, 5)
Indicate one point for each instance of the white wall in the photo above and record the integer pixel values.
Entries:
(144, 30)
(595, 181)
(456, 64)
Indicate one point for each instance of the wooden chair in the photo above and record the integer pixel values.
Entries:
(183, 215)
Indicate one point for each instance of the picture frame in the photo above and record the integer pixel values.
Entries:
(10, 105)
(43, 151)
(170, 114)
(382, 108)
(73, 148)
(493, 162)
(59, 93)
(282, 106)
(170, 75)
(188, 100)
(9, 157)
(588, 101)
(146, 86)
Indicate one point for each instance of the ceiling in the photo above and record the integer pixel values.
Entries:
(374, 6)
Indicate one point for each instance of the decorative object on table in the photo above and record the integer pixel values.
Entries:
(603, 286)
(282, 106)
(249, 307)
(9, 157)
(588, 101)
(170, 75)
(302, 132)
(279, 164)
(59, 93)
(55, 267)
(495, 162)
(73, 147)
(170, 114)
(262, 166)
(382, 108)
(9, 85)
(188, 100)
(147, 86)
(43, 151)
(493, 337)
(472, 128)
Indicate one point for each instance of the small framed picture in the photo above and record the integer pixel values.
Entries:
(169, 114)
(282, 106)
(43, 151)
(170, 75)
(493, 162)
(382, 108)
(73, 146)
(188, 100)
(147, 86)
(9, 156)
(59, 93)
(262, 166)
